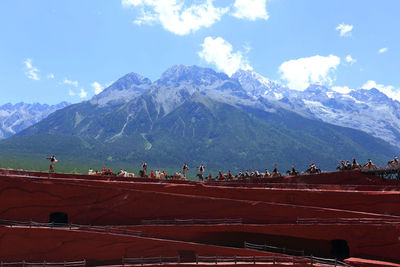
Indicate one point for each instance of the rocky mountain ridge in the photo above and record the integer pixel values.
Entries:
(368, 110)
(17, 117)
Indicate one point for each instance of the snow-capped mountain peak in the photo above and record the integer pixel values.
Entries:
(368, 110)
(190, 75)
(181, 82)
(123, 90)
(256, 85)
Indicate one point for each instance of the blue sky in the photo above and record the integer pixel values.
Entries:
(53, 51)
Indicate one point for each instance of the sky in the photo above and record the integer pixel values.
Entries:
(70, 50)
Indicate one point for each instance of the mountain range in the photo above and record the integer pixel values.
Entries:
(368, 110)
(15, 118)
(196, 115)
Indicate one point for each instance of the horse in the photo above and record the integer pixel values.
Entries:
(129, 174)
(201, 177)
(266, 174)
(394, 162)
(313, 170)
(355, 166)
(275, 174)
(369, 165)
(292, 172)
(179, 176)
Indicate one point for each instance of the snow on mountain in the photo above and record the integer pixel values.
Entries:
(181, 82)
(15, 118)
(125, 89)
(368, 110)
(257, 85)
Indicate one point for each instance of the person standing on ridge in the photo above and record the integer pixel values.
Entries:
(355, 164)
(275, 172)
(201, 171)
(144, 168)
(220, 175)
(52, 161)
(266, 174)
(185, 168)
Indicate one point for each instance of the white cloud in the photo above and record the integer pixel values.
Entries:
(250, 9)
(97, 87)
(69, 82)
(382, 50)
(219, 52)
(147, 18)
(344, 29)
(350, 59)
(127, 3)
(31, 71)
(388, 90)
(342, 89)
(247, 47)
(174, 16)
(50, 76)
(300, 73)
(82, 93)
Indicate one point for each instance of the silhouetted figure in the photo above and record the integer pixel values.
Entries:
(293, 171)
(369, 165)
(267, 174)
(395, 162)
(144, 168)
(52, 160)
(355, 164)
(342, 166)
(220, 175)
(313, 169)
(275, 172)
(185, 168)
(201, 171)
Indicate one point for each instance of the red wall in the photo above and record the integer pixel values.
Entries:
(368, 201)
(24, 199)
(369, 241)
(57, 245)
(105, 201)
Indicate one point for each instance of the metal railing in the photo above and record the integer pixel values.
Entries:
(299, 253)
(70, 226)
(37, 224)
(44, 263)
(265, 247)
(150, 260)
(347, 221)
(193, 221)
(111, 230)
(324, 261)
(236, 260)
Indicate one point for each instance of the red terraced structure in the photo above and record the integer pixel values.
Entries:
(339, 214)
